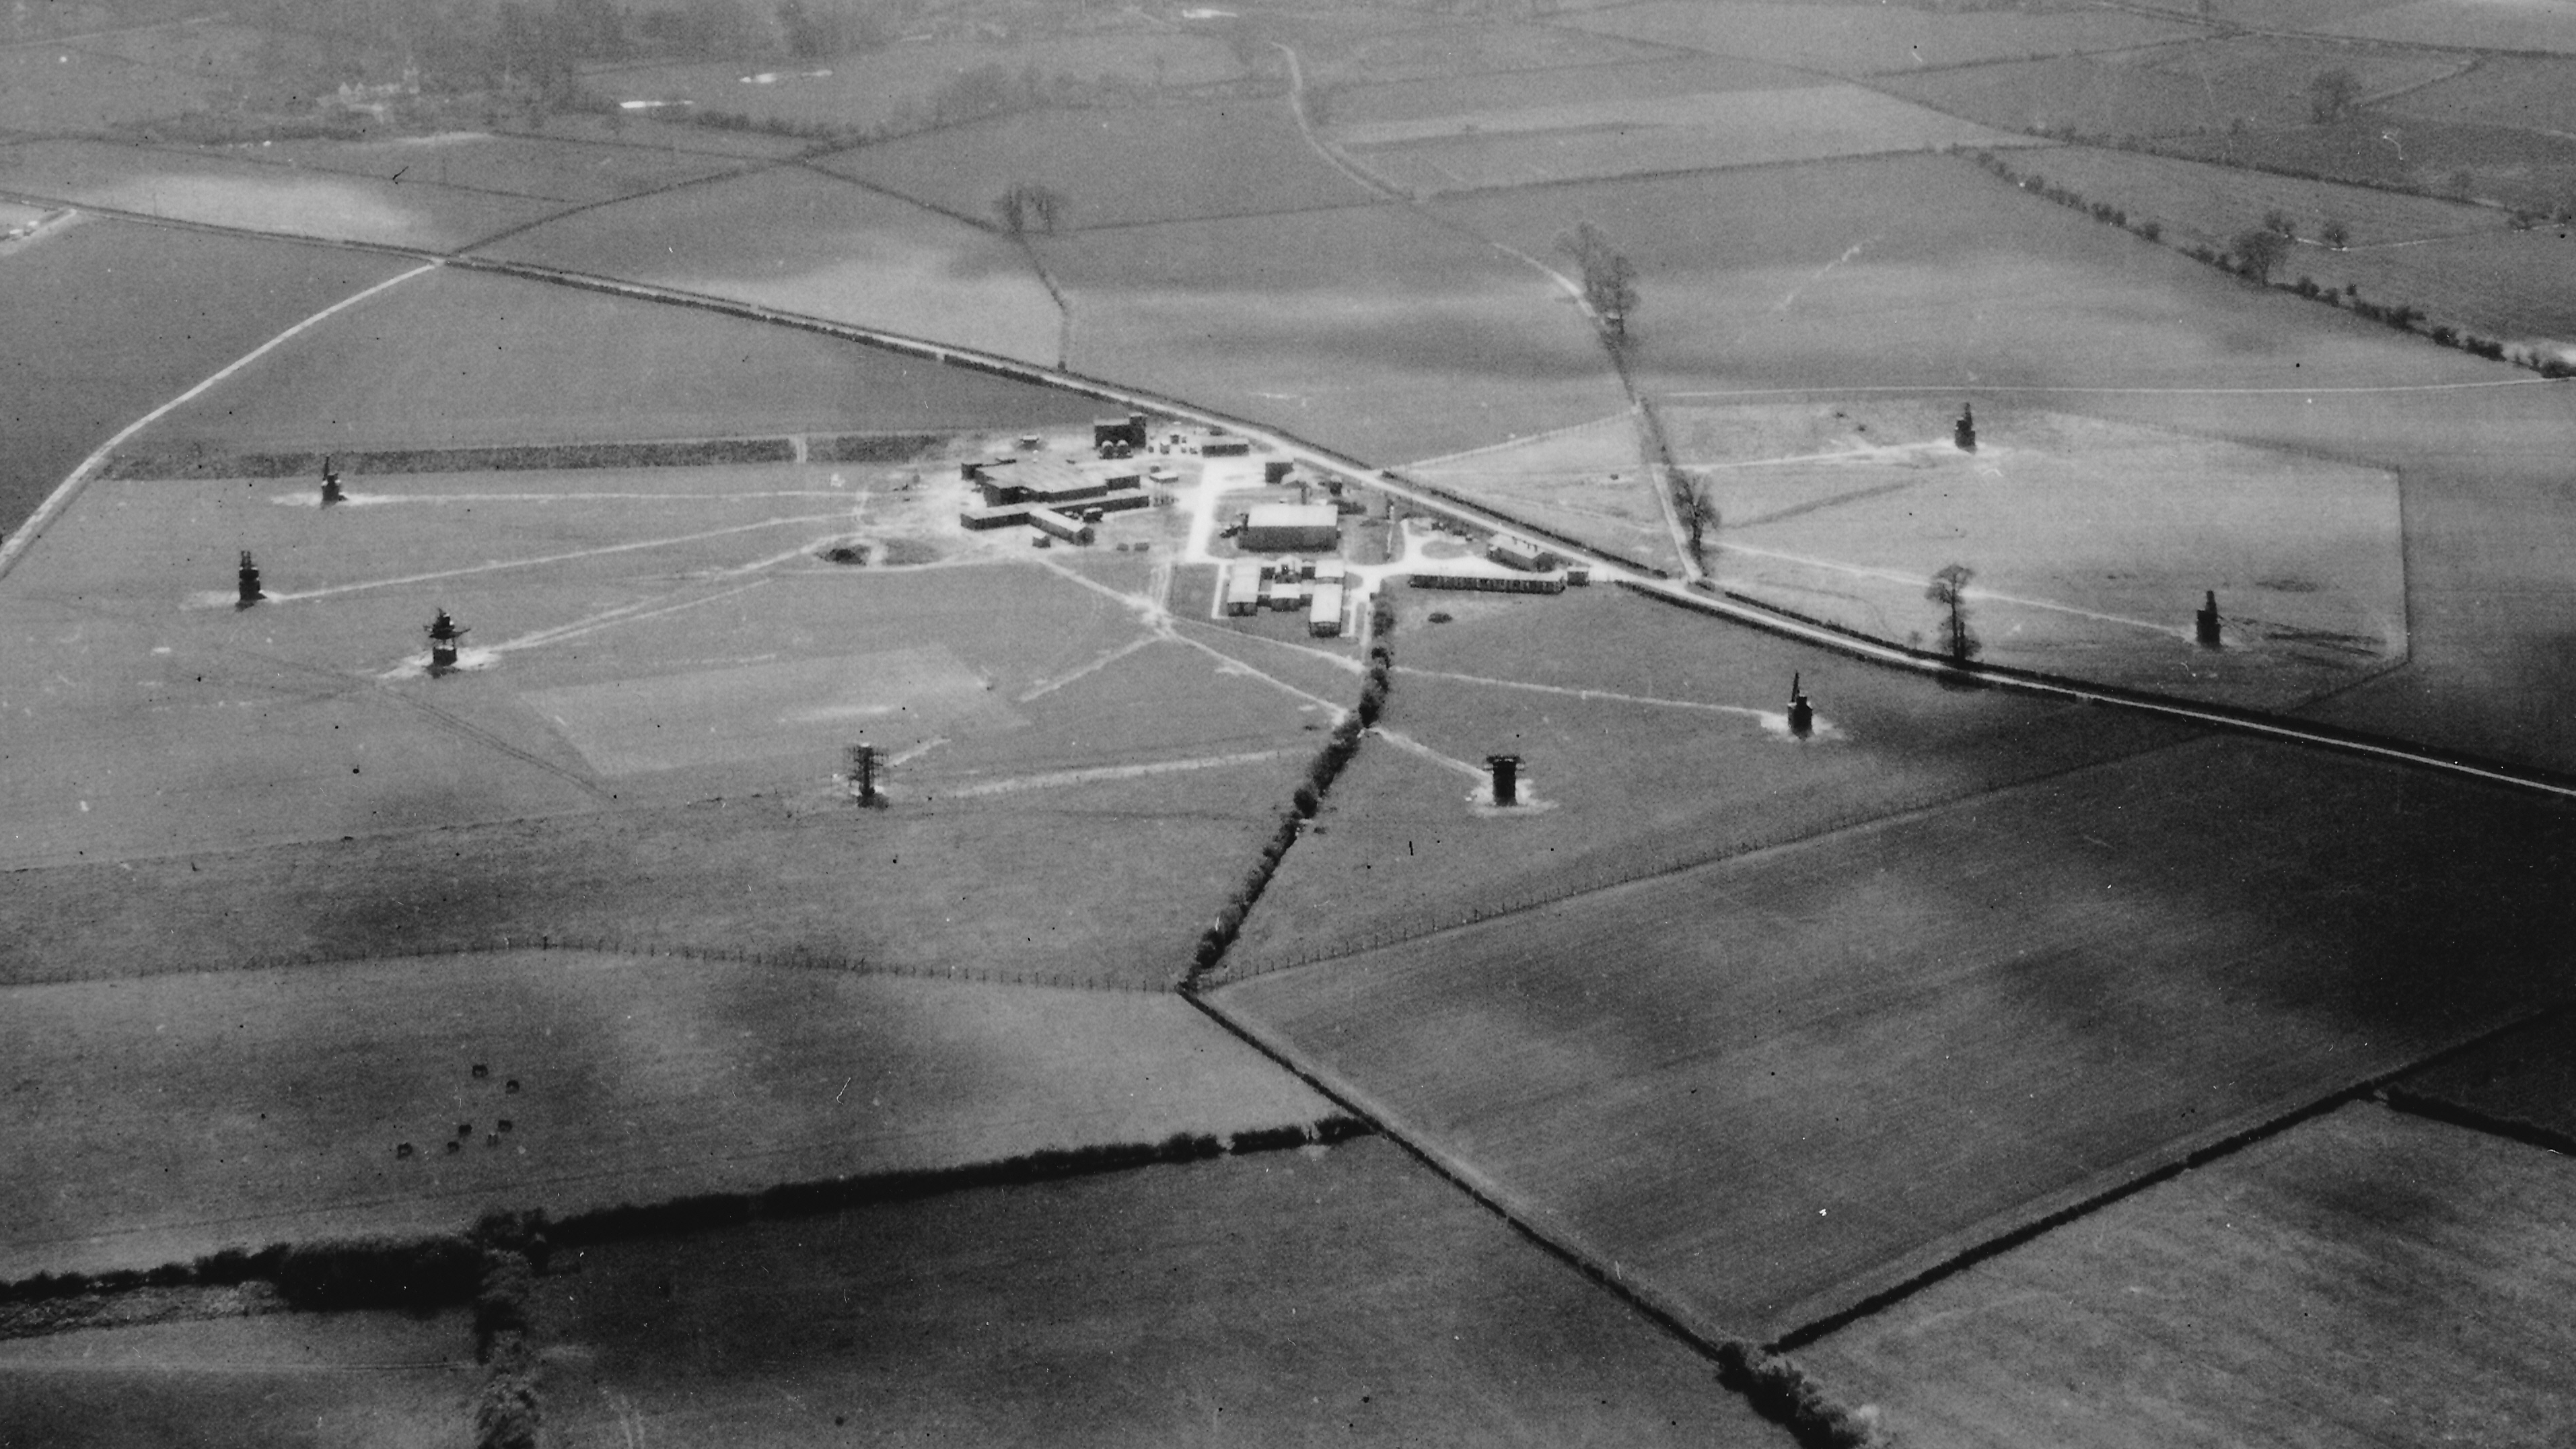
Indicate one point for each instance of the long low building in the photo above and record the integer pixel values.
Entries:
(1324, 614)
(1008, 515)
(1275, 526)
(1490, 583)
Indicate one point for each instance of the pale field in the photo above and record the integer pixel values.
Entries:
(163, 1118)
(1365, 329)
(1627, 137)
(1866, 39)
(1340, 1294)
(2502, 91)
(2363, 1278)
(2196, 201)
(56, 90)
(461, 359)
(1588, 482)
(365, 1380)
(1770, 1088)
(860, 91)
(219, 191)
(819, 245)
(549, 170)
(1361, 108)
(2093, 542)
(2484, 24)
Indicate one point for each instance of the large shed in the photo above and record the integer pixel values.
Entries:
(1275, 526)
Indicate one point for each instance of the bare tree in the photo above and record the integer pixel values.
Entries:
(1699, 514)
(1609, 280)
(2257, 251)
(1027, 204)
(1949, 590)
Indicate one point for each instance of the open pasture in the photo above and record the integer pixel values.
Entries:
(222, 191)
(2527, 92)
(2362, 1278)
(1654, 739)
(50, 91)
(822, 246)
(2524, 1079)
(2163, 90)
(1115, 167)
(893, 87)
(2500, 165)
(1265, 1299)
(461, 358)
(2200, 202)
(366, 1379)
(103, 321)
(1772, 1087)
(1359, 49)
(2093, 542)
(159, 1119)
(1365, 329)
(1927, 272)
(2523, 25)
(1586, 482)
(1858, 40)
(1358, 112)
(1624, 136)
(548, 170)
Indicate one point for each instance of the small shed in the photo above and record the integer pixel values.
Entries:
(1324, 612)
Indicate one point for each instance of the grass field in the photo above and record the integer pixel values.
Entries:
(2197, 202)
(2484, 24)
(1772, 1087)
(2524, 1079)
(894, 86)
(221, 191)
(1357, 110)
(1365, 329)
(824, 247)
(1342, 1295)
(2500, 165)
(2166, 89)
(366, 1380)
(2363, 1278)
(102, 321)
(1359, 48)
(159, 1119)
(1115, 167)
(45, 90)
(1587, 482)
(461, 359)
(1625, 136)
(2519, 91)
(1924, 271)
(1655, 739)
(517, 165)
(2093, 542)
(1867, 40)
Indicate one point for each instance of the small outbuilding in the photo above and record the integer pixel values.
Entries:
(1279, 526)
(1324, 613)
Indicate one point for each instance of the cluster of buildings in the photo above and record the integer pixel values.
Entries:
(1318, 586)
(1052, 495)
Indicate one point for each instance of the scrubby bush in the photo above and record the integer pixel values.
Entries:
(1305, 800)
(2151, 229)
(1781, 1391)
(379, 1273)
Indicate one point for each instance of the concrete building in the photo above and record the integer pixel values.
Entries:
(1279, 526)
(1520, 554)
(1050, 482)
(1071, 530)
(1242, 590)
(1127, 432)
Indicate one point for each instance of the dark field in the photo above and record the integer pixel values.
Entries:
(549, 170)
(2523, 1080)
(1866, 40)
(1773, 1087)
(1342, 1295)
(2497, 164)
(462, 358)
(1161, 163)
(2163, 90)
(102, 321)
(2366, 1278)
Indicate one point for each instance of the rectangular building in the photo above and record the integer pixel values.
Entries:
(1324, 612)
(1242, 589)
(1071, 530)
(1519, 554)
(1275, 527)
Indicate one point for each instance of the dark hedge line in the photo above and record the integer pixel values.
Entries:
(1783, 1392)
(528, 459)
(449, 1269)
(870, 447)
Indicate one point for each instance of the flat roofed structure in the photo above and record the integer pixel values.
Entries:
(1324, 613)
(1278, 526)
(1047, 481)
(1243, 589)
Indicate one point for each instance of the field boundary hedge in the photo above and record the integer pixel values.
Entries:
(447, 1269)
(796, 957)
(518, 458)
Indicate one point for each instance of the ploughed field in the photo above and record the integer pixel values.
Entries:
(2366, 1277)
(2521, 1082)
(160, 1119)
(1343, 1292)
(1774, 1086)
